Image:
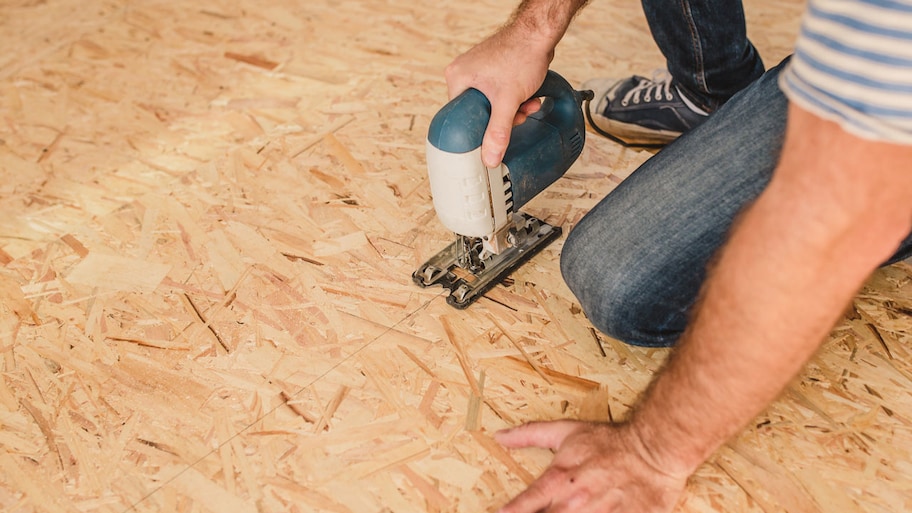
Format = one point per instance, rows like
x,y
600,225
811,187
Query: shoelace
x,y
659,86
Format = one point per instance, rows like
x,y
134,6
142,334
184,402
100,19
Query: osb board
x,y
208,219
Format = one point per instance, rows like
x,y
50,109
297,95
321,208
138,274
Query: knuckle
x,y
557,475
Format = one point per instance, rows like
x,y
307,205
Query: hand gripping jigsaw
x,y
481,205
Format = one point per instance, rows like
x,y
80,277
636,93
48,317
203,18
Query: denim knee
x,y
624,296
638,259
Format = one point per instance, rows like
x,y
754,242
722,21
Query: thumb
x,y
548,435
497,136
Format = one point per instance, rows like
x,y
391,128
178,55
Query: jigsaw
x,y
481,205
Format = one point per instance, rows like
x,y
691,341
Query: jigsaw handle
x,y
460,125
544,147
541,150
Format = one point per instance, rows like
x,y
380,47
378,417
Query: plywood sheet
x,y
209,215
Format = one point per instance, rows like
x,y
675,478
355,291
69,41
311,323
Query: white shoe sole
x,y
626,133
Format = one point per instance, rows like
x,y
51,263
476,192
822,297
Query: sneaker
x,y
638,111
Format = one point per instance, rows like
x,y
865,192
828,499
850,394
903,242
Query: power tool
x,y
480,204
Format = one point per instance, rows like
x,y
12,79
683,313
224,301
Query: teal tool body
x,y
481,205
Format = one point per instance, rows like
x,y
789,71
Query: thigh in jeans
x,y
636,262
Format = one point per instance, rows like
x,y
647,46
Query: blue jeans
x,y
706,47
637,260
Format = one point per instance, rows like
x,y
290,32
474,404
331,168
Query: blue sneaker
x,y
638,111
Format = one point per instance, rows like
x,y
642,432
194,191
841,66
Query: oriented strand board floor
x,y
209,212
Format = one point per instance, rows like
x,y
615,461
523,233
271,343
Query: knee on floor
x,y
621,297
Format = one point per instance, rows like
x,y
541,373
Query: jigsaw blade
x,y
467,273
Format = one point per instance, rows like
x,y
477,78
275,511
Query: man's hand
x,y
596,468
508,72
510,66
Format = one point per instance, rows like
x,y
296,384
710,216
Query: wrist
x,y
533,40
662,451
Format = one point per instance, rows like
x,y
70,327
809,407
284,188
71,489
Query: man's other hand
x,y
596,468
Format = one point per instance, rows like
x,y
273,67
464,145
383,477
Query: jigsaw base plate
x,y
467,275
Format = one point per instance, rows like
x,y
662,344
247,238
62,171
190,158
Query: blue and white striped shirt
x,y
853,64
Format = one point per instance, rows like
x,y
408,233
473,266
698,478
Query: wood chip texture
x,y
209,214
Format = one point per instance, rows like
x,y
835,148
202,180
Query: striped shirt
x,y
853,64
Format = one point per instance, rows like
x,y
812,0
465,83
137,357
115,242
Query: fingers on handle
x,y
525,110
530,107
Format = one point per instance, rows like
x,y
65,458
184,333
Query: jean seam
x,y
696,46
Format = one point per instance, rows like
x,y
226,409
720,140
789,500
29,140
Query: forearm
x,y
546,20
794,260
